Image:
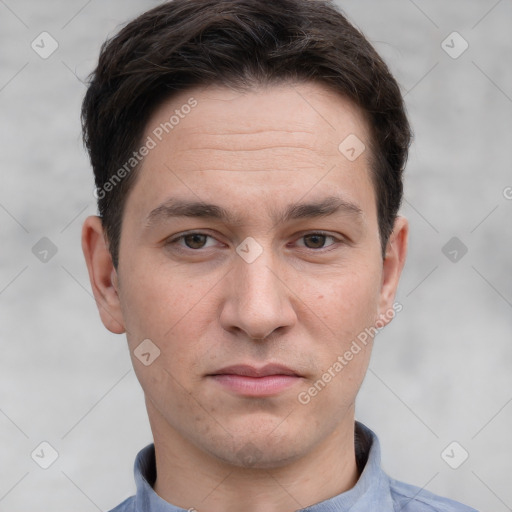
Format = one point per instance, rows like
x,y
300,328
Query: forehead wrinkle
x,y
242,140
247,149
248,143
201,131
256,156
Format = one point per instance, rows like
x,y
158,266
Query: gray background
x,y
441,372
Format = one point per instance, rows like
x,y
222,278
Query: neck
x,y
192,479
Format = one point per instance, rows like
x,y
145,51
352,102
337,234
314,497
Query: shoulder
x,y
409,498
127,505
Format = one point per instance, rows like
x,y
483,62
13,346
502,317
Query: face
x,y
250,240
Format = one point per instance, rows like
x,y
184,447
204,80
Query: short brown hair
x,y
240,44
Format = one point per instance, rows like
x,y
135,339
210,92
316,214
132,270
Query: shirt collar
x,y
372,487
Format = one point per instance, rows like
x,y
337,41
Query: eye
x,y
197,241
317,240
192,241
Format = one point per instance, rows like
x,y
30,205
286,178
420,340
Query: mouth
x,y
252,381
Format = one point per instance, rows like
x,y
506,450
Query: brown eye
x,y
195,240
316,241
191,242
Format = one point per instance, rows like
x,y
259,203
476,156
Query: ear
x,y
393,264
102,274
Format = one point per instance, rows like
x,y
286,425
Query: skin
x,y
301,303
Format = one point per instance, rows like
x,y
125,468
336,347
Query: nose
x,y
259,300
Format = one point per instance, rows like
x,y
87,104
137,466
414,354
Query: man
x,y
248,159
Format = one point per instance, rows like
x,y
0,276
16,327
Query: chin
x,y
260,451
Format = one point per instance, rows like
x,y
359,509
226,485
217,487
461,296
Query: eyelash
x,y
175,241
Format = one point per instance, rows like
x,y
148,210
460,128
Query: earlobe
x,y
393,265
102,274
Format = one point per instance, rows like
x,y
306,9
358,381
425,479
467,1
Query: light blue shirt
x,y
373,492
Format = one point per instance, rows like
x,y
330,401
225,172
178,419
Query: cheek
x,y
341,346
162,302
346,307
347,302
161,308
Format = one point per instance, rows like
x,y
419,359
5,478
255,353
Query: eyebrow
x,y
183,208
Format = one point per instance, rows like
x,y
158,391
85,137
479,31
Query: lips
x,y
251,381
252,371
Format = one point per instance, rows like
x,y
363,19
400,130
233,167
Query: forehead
x,y
307,116
283,140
